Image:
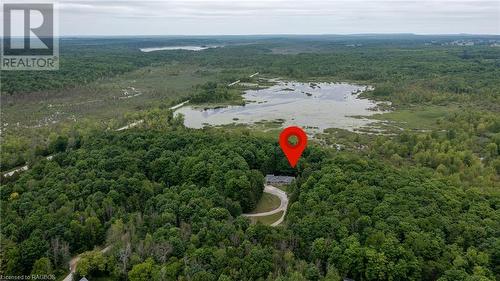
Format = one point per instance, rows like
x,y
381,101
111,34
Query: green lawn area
x,y
283,187
268,202
267,219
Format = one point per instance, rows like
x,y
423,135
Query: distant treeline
x,y
409,68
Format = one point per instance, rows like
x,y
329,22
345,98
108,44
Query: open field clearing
x,y
420,117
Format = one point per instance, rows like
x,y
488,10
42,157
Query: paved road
x,y
283,204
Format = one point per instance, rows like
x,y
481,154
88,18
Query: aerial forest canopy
x,y
169,204
117,180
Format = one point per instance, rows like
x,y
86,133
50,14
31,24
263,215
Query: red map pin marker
x,y
293,151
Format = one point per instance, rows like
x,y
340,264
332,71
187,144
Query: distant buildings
x,y
462,43
465,42
278,180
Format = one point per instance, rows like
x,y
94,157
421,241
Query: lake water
x,y
315,106
188,48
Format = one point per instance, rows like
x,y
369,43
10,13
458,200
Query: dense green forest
x,y
169,203
407,204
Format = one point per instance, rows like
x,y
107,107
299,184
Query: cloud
x,y
314,16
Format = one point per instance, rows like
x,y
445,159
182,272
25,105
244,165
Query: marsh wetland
x,y
316,106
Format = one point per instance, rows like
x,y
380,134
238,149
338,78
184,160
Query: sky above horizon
x,y
217,17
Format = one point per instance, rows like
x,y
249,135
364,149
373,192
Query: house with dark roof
x,y
278,180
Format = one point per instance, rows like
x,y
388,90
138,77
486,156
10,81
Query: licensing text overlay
x,y
29,35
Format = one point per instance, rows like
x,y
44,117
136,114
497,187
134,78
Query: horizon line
x,y
283,34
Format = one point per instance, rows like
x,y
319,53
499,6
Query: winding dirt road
x,y
283,205
131,125
74,261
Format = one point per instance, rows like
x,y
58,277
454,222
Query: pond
x,y
309,105
169,48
